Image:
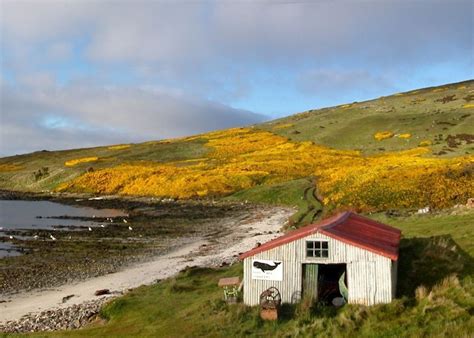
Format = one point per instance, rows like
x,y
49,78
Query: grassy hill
x,y
402,151
437,114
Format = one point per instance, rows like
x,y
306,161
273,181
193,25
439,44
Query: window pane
x,y
325,253
325,245
317,253
309,253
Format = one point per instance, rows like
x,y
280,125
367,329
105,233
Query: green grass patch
x,y
299,193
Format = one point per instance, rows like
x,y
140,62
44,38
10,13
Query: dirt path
x,y
239,236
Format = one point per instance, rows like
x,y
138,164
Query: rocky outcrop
x,y
72,317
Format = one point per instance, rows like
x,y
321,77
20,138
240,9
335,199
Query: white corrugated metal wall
x,y
369,275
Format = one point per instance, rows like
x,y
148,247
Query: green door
x,y
310,280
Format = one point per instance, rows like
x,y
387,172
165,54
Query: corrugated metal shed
x,y
365,249
349,228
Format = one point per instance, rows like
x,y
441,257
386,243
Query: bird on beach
x,y
93,216
102,226
130,228
1,228
125,221
90,229
52,237
111,220
11,237
35,236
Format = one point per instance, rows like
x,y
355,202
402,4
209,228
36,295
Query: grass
x,y
422,113
297,193
435,297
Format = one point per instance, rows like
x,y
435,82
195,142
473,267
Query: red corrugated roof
x,y
346,227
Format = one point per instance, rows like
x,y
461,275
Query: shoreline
x,y
158,227
242,234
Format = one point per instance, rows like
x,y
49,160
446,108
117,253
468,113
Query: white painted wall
x,y
370,277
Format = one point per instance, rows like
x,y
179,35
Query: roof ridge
x,y
341,218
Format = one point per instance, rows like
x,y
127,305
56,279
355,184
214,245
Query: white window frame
x,y
314,249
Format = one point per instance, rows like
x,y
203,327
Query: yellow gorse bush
x,y
9,167
119,147
382,135
425,143
406,135
243,157
71,163
283,126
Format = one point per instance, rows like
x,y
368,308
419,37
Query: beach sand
x,y
241,235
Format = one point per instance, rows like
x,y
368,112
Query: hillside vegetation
x,y
407,150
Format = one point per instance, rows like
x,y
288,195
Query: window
x,y
318,249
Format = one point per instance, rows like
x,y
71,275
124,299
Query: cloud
x,y
188,37
77,116
341,83
134,70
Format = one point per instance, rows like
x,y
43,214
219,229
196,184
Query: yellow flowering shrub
x,y
406,135
9,167
398,180
283,126
76,161
244,157
425,143
119,147
382,135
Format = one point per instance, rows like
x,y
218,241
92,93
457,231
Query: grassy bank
x,y
297,193
435,297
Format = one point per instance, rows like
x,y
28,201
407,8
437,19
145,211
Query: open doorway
x,y
332,281
324,282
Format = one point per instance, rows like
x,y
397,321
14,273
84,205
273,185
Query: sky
x,y
83,73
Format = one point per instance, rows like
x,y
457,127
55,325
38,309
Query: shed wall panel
x,y
370,277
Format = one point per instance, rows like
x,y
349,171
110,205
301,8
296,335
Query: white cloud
x,y
206,49
341,83
75,116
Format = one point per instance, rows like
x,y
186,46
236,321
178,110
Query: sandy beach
x,y
241,234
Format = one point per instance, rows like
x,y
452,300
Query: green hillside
x,y
442,117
